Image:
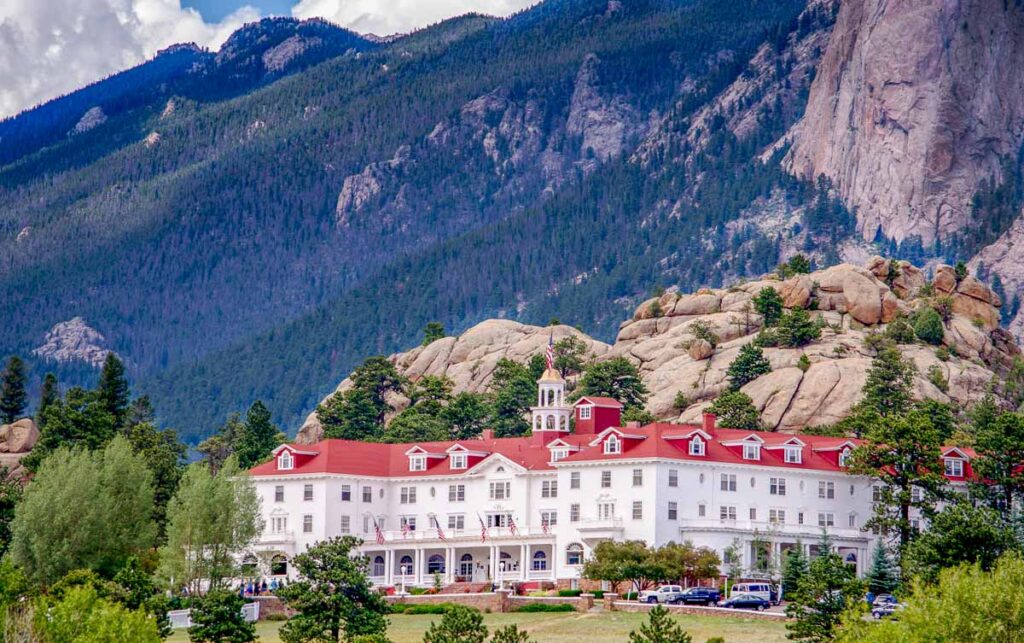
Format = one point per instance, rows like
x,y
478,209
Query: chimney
x,y
709,423
487,434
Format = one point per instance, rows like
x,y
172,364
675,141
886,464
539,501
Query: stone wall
x,y
485,601
582,603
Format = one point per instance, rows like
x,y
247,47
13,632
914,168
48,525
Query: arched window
x,y
405,565
564,424
249,565
435,564
285,461
540,561
844,456
467,558
279,565
612,445
696,446
574,554
551,423
378,566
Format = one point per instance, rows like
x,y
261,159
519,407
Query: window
x,y
456,493
279,524
673,511
727,513
728,482
794,455
574,512
435,564
638,510
279,493
777,516
638,477
540,561
852,490
574,480
456,522
407,523
702,510
606,479
777,486
954,467
826,490
498,520
585,411
876,493
574,554
612,445
558,454
367,494
696,446
915,524
285,461
307,524
549,517
605,510
800,518
549,489
346,493
459,460
500,490
673,477
753,513
915,494
307,492
417,463
346,524
366,524
407,495
826,519
844,456
852,520
751,451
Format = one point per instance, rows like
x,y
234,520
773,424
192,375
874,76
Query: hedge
x,y
546,607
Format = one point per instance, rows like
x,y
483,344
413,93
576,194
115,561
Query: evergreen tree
x,y
794,568
113,391
460,624
432,332
378,378
928,326
217,618
259,436
883,577
412,425
659,628
13,397
816,607
570,355
511,634
960,533
735,410
217,448
513,389
10,496
768,302
617,378
163,452
80,419
49,394
796,328
887,388
349,415
466,415
999,442
750,363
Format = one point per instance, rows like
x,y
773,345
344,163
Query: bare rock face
x,y
19,436
605,125
360,189
91,119
73,340
912,106
700,349
277,58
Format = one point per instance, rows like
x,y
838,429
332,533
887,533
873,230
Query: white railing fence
x,y
183,618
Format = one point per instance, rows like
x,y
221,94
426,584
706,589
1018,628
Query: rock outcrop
x,y
16,441
73,341
913,105
667,338
91,119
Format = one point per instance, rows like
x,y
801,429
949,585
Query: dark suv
x,y
699,596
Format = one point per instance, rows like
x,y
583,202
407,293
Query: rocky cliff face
x,y
852,300
73,341
16,440
913,105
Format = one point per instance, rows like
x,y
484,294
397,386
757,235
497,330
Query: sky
x,y
52,47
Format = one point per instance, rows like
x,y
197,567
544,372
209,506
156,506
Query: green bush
x,y
928,326
430,608
546,607
598,594
569,592
716,639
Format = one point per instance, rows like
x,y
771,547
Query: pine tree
x,y
432,332
217,618
794,568
821,597
259,436
735,410
50,393
887,386
113,389
883,577
768,303
660,628
796,328
13,396
460,624
749,364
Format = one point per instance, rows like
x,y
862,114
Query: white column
x,y
389,567
527,562
494,563
449,565
417,559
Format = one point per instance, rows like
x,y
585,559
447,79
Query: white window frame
x,y
459,461
826,519
777,486
751,451
673,510
673,477
727,512
574,479
794,455
456,493
638,510
285,461
638,477
844,456
346,524
697,446
500,490
586,411
549,489
417,463
954,467
613,445
279,493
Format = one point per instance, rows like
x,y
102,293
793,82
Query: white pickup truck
x,y
664,594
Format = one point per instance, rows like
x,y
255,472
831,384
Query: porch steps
x,y
467,588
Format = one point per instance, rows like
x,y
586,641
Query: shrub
x,y
750,363
680,401
942,353
767,338
804,362
655,309
796,328
768,302
659,628
569,592
928,326
218,617
546,607
598,594
702,330
511,634
429,608
944,306
900,331
938,378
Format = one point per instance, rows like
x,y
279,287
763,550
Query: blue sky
x,y
217,10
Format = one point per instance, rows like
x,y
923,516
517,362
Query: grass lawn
x,y
575,628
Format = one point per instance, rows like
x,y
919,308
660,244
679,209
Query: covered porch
x,y
501,564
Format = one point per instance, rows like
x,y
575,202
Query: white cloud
x,y
385,17
51,47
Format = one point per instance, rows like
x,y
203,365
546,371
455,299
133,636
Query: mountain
x,y
252,223
684,372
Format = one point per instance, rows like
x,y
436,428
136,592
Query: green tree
x,y
333,596
84,510
960,271
459,624
616,378
798,264
511,634
379,378
900,331
999,443
679,561
81,419
217,618
735,410
630,560
928,326
513,389
210,520
259,436
960,533
796,328
10,496
112,390
349,415
13,397
823,594
220,446
768,303
466,415
15,597
164,454
432,332
884,576
887,387
49,394
659,628
570,355
82,615
794,568
413,425
750,363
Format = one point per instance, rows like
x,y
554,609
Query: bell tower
x,y
550,418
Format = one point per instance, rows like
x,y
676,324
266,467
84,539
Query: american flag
x,y
549,355
544,523
405,527
440,532
483,529
380,534
512,525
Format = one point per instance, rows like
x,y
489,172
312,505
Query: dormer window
x,y
954,467
285,461
794,455
558,454
697,446
612,445
417,463
751,451
585,411
459,460
844,456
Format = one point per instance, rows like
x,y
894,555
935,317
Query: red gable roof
x,y
610,402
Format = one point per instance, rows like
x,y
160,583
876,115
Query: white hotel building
x,y
498,510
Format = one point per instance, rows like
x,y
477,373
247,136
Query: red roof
x,y
601,401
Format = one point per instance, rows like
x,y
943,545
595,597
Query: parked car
x,y
664,594
699,596
762,590
885,605
746,601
